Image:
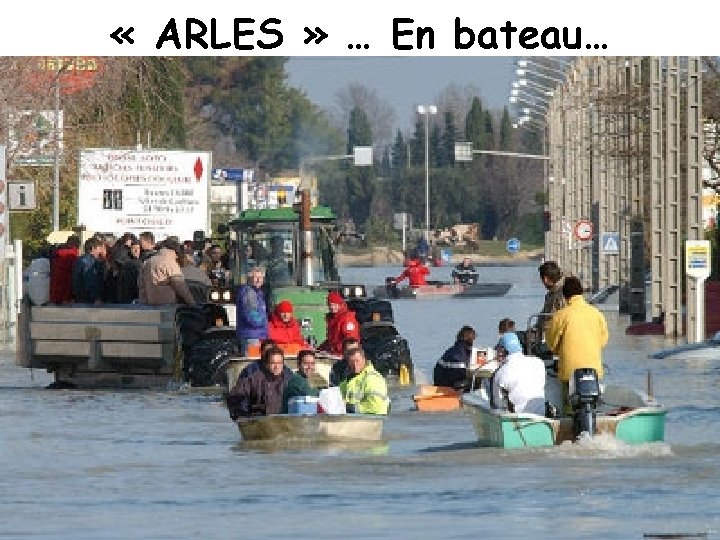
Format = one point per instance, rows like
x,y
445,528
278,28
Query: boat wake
x,y
606,446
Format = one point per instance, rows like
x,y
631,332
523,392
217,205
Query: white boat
x,y
312,427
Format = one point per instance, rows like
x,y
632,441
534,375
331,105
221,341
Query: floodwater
x,y
170,464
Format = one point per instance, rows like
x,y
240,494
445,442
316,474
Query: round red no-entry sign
x,y
583,229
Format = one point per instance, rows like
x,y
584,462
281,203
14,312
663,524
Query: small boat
x,y
437,398
705,349
631,416
312,427
438,289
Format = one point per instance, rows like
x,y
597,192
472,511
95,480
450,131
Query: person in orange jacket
x,y
341,324
415,273
283,328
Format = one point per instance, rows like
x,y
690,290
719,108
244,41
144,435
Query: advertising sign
x,y
162,191
31,137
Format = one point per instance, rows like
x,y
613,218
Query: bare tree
x,y
379,112
457,99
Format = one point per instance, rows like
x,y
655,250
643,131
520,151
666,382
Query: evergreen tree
x,y
399,153
475,125
384,167
448,140
489,131
505,130
359,180
417,143
435,150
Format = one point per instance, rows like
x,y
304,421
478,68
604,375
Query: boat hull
x,y
313,428
634,423
440,290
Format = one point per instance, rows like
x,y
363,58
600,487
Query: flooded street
x,y
170,464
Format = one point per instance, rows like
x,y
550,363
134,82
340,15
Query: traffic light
x,y
546,221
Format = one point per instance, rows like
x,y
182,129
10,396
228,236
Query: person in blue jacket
x,y
251,315
451,369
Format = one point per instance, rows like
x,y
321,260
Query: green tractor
x,y
296,247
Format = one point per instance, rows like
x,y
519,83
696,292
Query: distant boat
x,y
439,289
312,427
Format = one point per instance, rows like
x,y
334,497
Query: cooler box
x,y
303,405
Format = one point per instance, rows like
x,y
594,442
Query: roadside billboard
x,y
162,191
31,137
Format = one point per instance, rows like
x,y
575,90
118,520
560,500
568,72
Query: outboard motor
x,y
467,277
391,287
584,396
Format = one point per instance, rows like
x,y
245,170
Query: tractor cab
x,y
272,240
299,261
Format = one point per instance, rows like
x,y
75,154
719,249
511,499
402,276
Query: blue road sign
x,y
513,245
610,242
230,175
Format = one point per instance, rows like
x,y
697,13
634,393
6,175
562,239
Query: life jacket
x,y
340,326
284,333
367,392
415,273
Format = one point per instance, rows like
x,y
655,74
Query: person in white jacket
x,y
520,379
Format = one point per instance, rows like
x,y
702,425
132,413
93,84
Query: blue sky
x,y
403,82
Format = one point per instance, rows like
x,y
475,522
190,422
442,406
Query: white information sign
x,y
21,195
162,191
697,258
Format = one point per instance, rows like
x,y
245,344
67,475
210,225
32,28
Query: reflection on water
x,y
328,448
172,465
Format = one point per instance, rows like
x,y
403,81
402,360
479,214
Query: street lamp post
x,y
427,110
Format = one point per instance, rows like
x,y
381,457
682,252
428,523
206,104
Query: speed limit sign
x,y
583,230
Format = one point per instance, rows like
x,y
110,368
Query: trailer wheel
x,y
207,359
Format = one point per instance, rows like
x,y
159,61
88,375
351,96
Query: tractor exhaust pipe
x,y
306,239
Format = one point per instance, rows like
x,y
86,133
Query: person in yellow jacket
x,y
577,333
365,391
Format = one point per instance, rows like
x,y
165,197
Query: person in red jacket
x,y
415,273
283,328
61,266
341,324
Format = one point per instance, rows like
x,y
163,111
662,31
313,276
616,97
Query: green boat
x,y
631,416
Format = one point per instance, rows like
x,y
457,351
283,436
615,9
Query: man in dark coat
x,y
261,392
451,369
88,275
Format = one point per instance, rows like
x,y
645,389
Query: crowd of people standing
x,y
124,270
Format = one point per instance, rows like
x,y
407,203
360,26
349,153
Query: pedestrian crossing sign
x,y
610,242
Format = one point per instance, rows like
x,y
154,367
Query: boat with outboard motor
x,y
631,416
440,289
314,428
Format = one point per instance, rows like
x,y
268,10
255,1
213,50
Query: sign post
x,y
697,267
513,246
